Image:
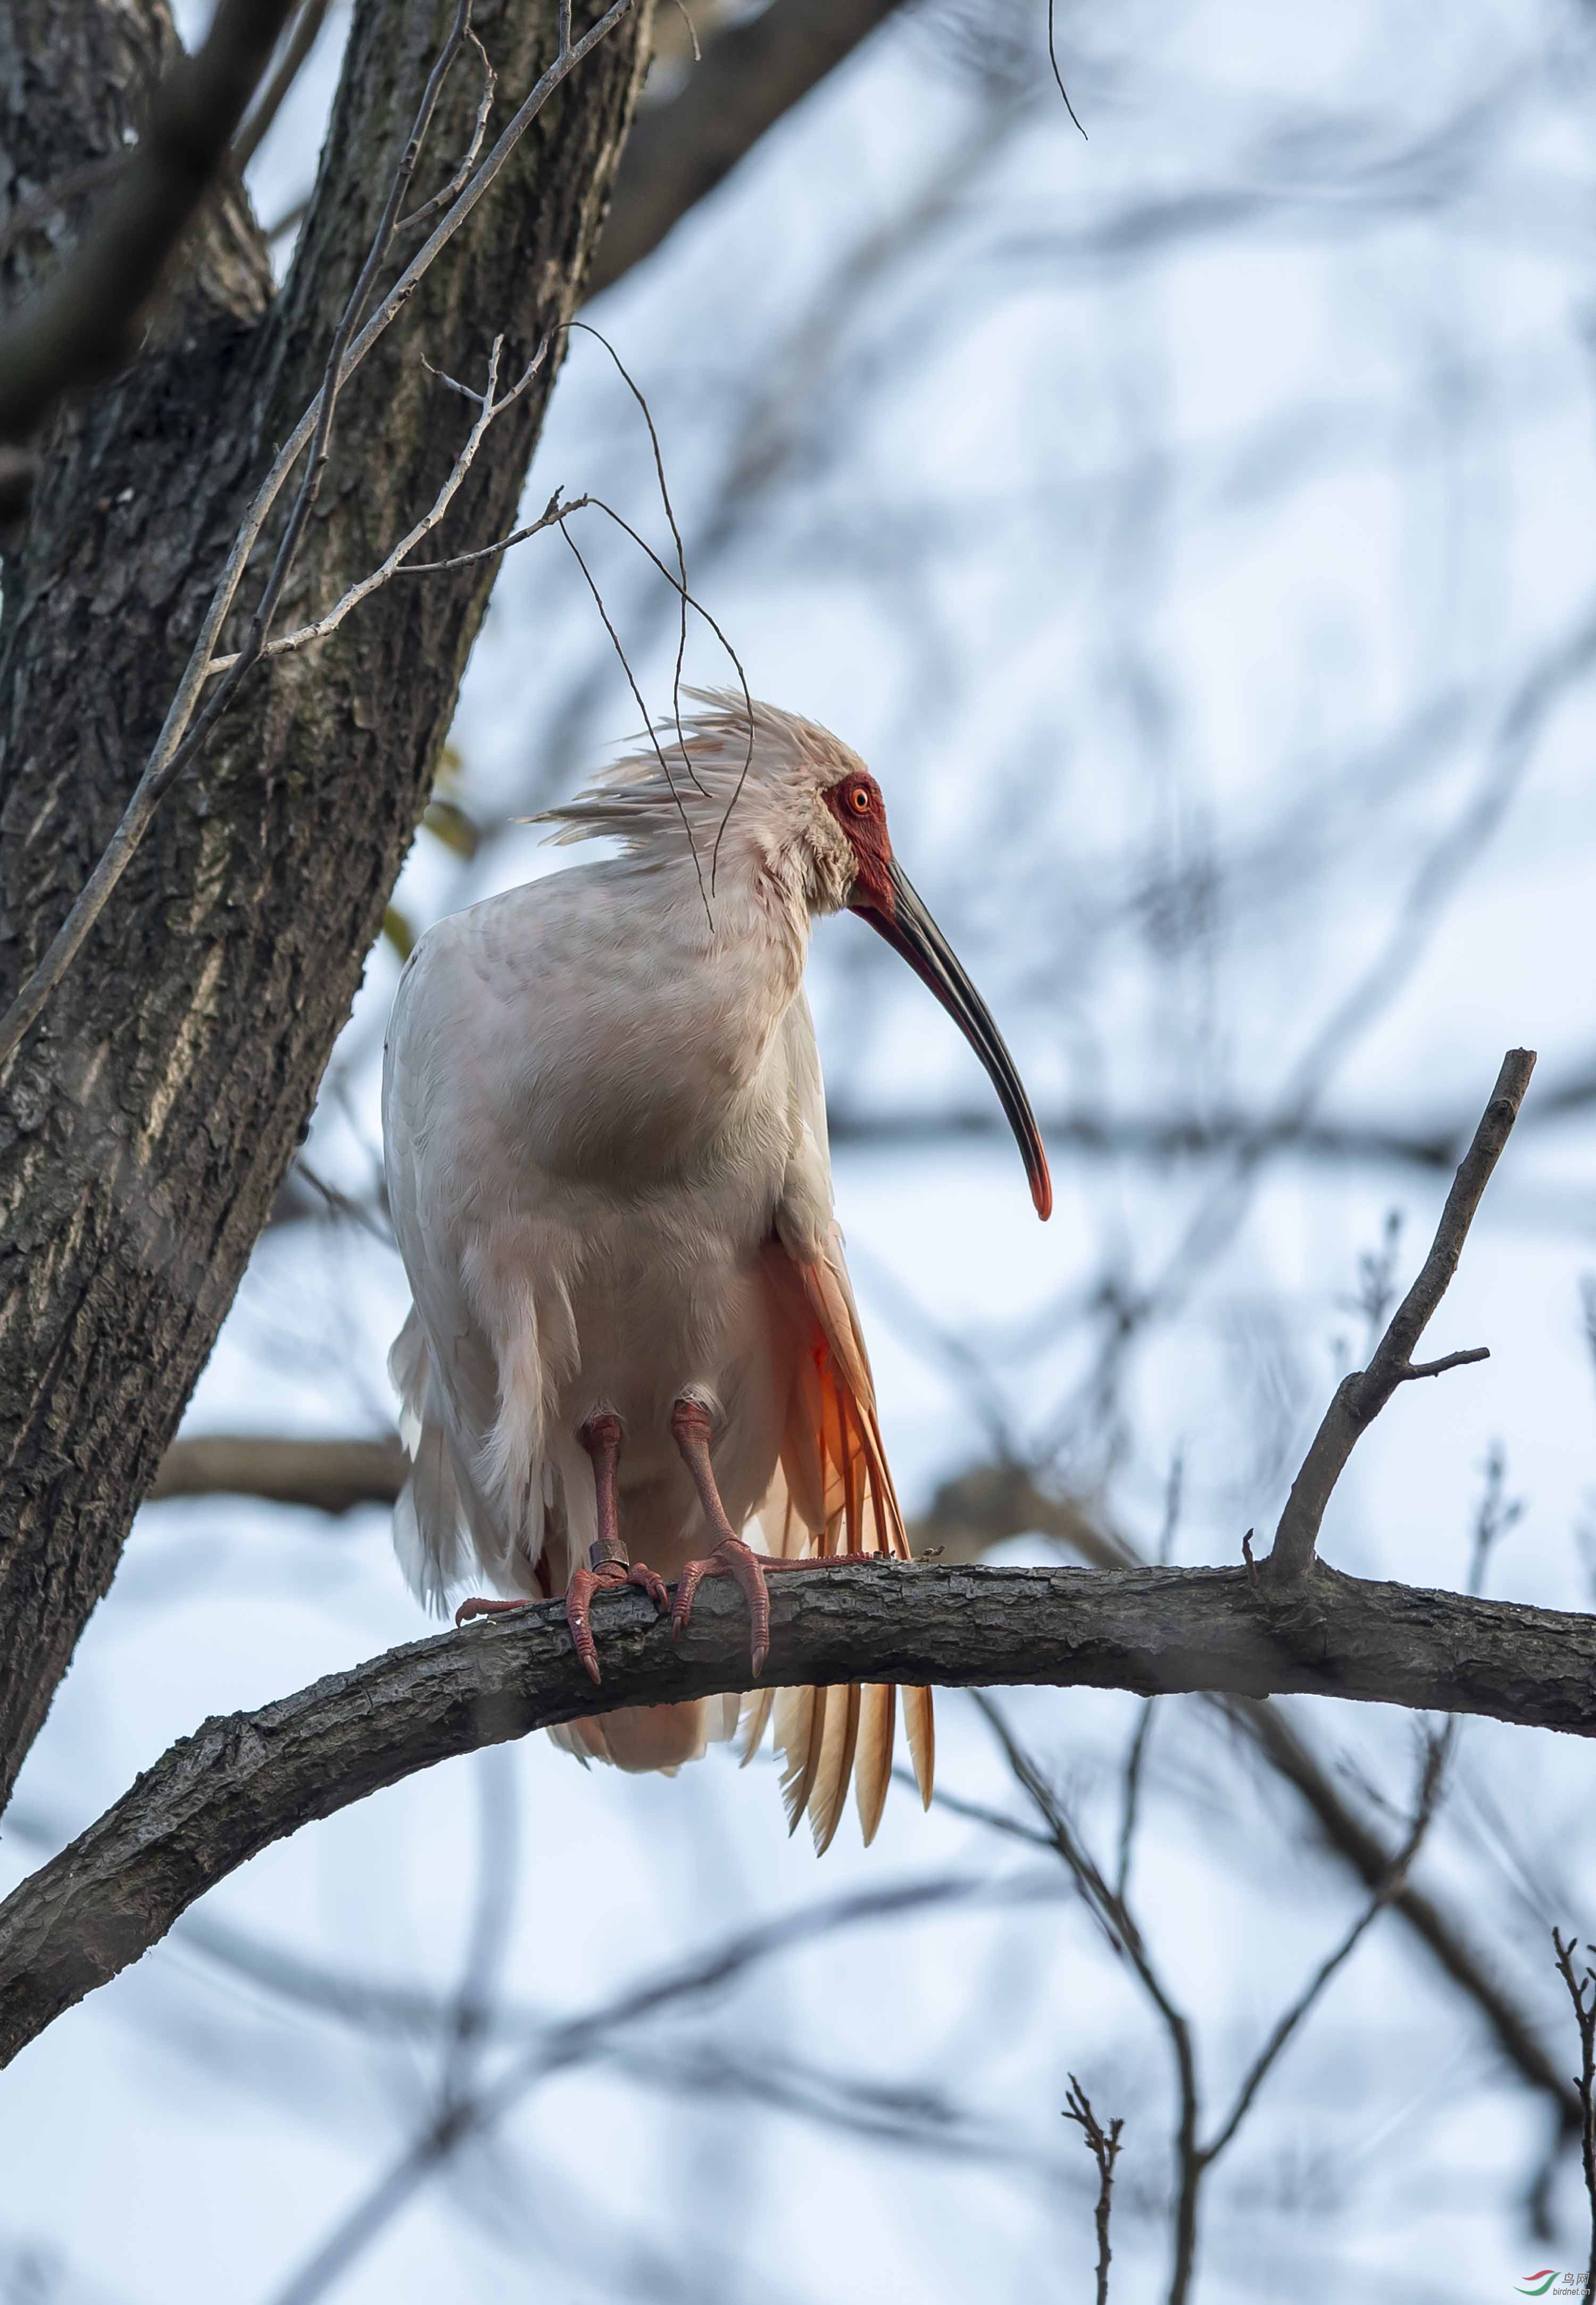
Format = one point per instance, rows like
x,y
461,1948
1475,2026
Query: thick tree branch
x,y
219,1797
966,1520
331,1476
1360,1398
751,74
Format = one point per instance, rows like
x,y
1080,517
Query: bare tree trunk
x,y
147,1121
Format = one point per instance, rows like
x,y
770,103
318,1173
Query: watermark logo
x,y
1548,2283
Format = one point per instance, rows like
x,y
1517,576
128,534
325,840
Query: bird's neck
x,y
737,919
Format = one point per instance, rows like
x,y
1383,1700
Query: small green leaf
x,y
447,821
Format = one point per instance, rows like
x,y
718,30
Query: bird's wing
x,y
441,1364
834,1492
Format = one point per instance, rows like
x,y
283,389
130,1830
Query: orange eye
x,y
860,800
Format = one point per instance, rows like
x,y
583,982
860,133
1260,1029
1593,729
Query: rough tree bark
x,y
147,1121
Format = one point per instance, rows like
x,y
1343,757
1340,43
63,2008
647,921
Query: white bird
x,y
609,1178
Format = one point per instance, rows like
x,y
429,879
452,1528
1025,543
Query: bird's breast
x,y
667,1076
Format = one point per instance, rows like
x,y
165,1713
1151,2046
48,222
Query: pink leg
x,y
600,1436
690,1429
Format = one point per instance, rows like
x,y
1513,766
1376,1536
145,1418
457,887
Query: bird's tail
x,y
641,1738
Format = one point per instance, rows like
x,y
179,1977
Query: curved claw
x,y
579,1596
652,1583
476,1607
730,1558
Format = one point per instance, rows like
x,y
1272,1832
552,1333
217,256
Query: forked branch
x,y
1582,1993
1360,1398
1103,2144
489,407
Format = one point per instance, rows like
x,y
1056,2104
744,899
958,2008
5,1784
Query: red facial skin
x,y
857,807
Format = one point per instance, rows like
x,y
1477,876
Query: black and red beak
x,y
897,913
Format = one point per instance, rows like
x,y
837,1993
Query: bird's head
x,y
880,892
780,798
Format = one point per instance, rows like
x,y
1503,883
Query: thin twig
x,y
1496,1515
682,10
626,377
1582,1993
977,1812
1053,60
290,220
686,599
456,183
1119,1925
665,766
1131,1800
1360,1398
1104,2149
1463,1359
488,410
1408,1324
1437,1753
557,509
696,605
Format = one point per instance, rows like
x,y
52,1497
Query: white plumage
x,y
609,1181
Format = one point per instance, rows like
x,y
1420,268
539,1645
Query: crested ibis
x,y
633,1346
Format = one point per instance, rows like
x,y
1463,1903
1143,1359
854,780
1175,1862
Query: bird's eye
x,y
860,800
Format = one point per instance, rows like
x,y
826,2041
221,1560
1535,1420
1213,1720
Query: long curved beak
x,y
910,930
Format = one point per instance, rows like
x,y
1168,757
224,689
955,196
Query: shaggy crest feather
x,y
742,777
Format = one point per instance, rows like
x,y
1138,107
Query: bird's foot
x,y
610,1570
476,1607
730,1558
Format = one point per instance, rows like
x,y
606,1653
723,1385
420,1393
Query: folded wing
x,y
833,1493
